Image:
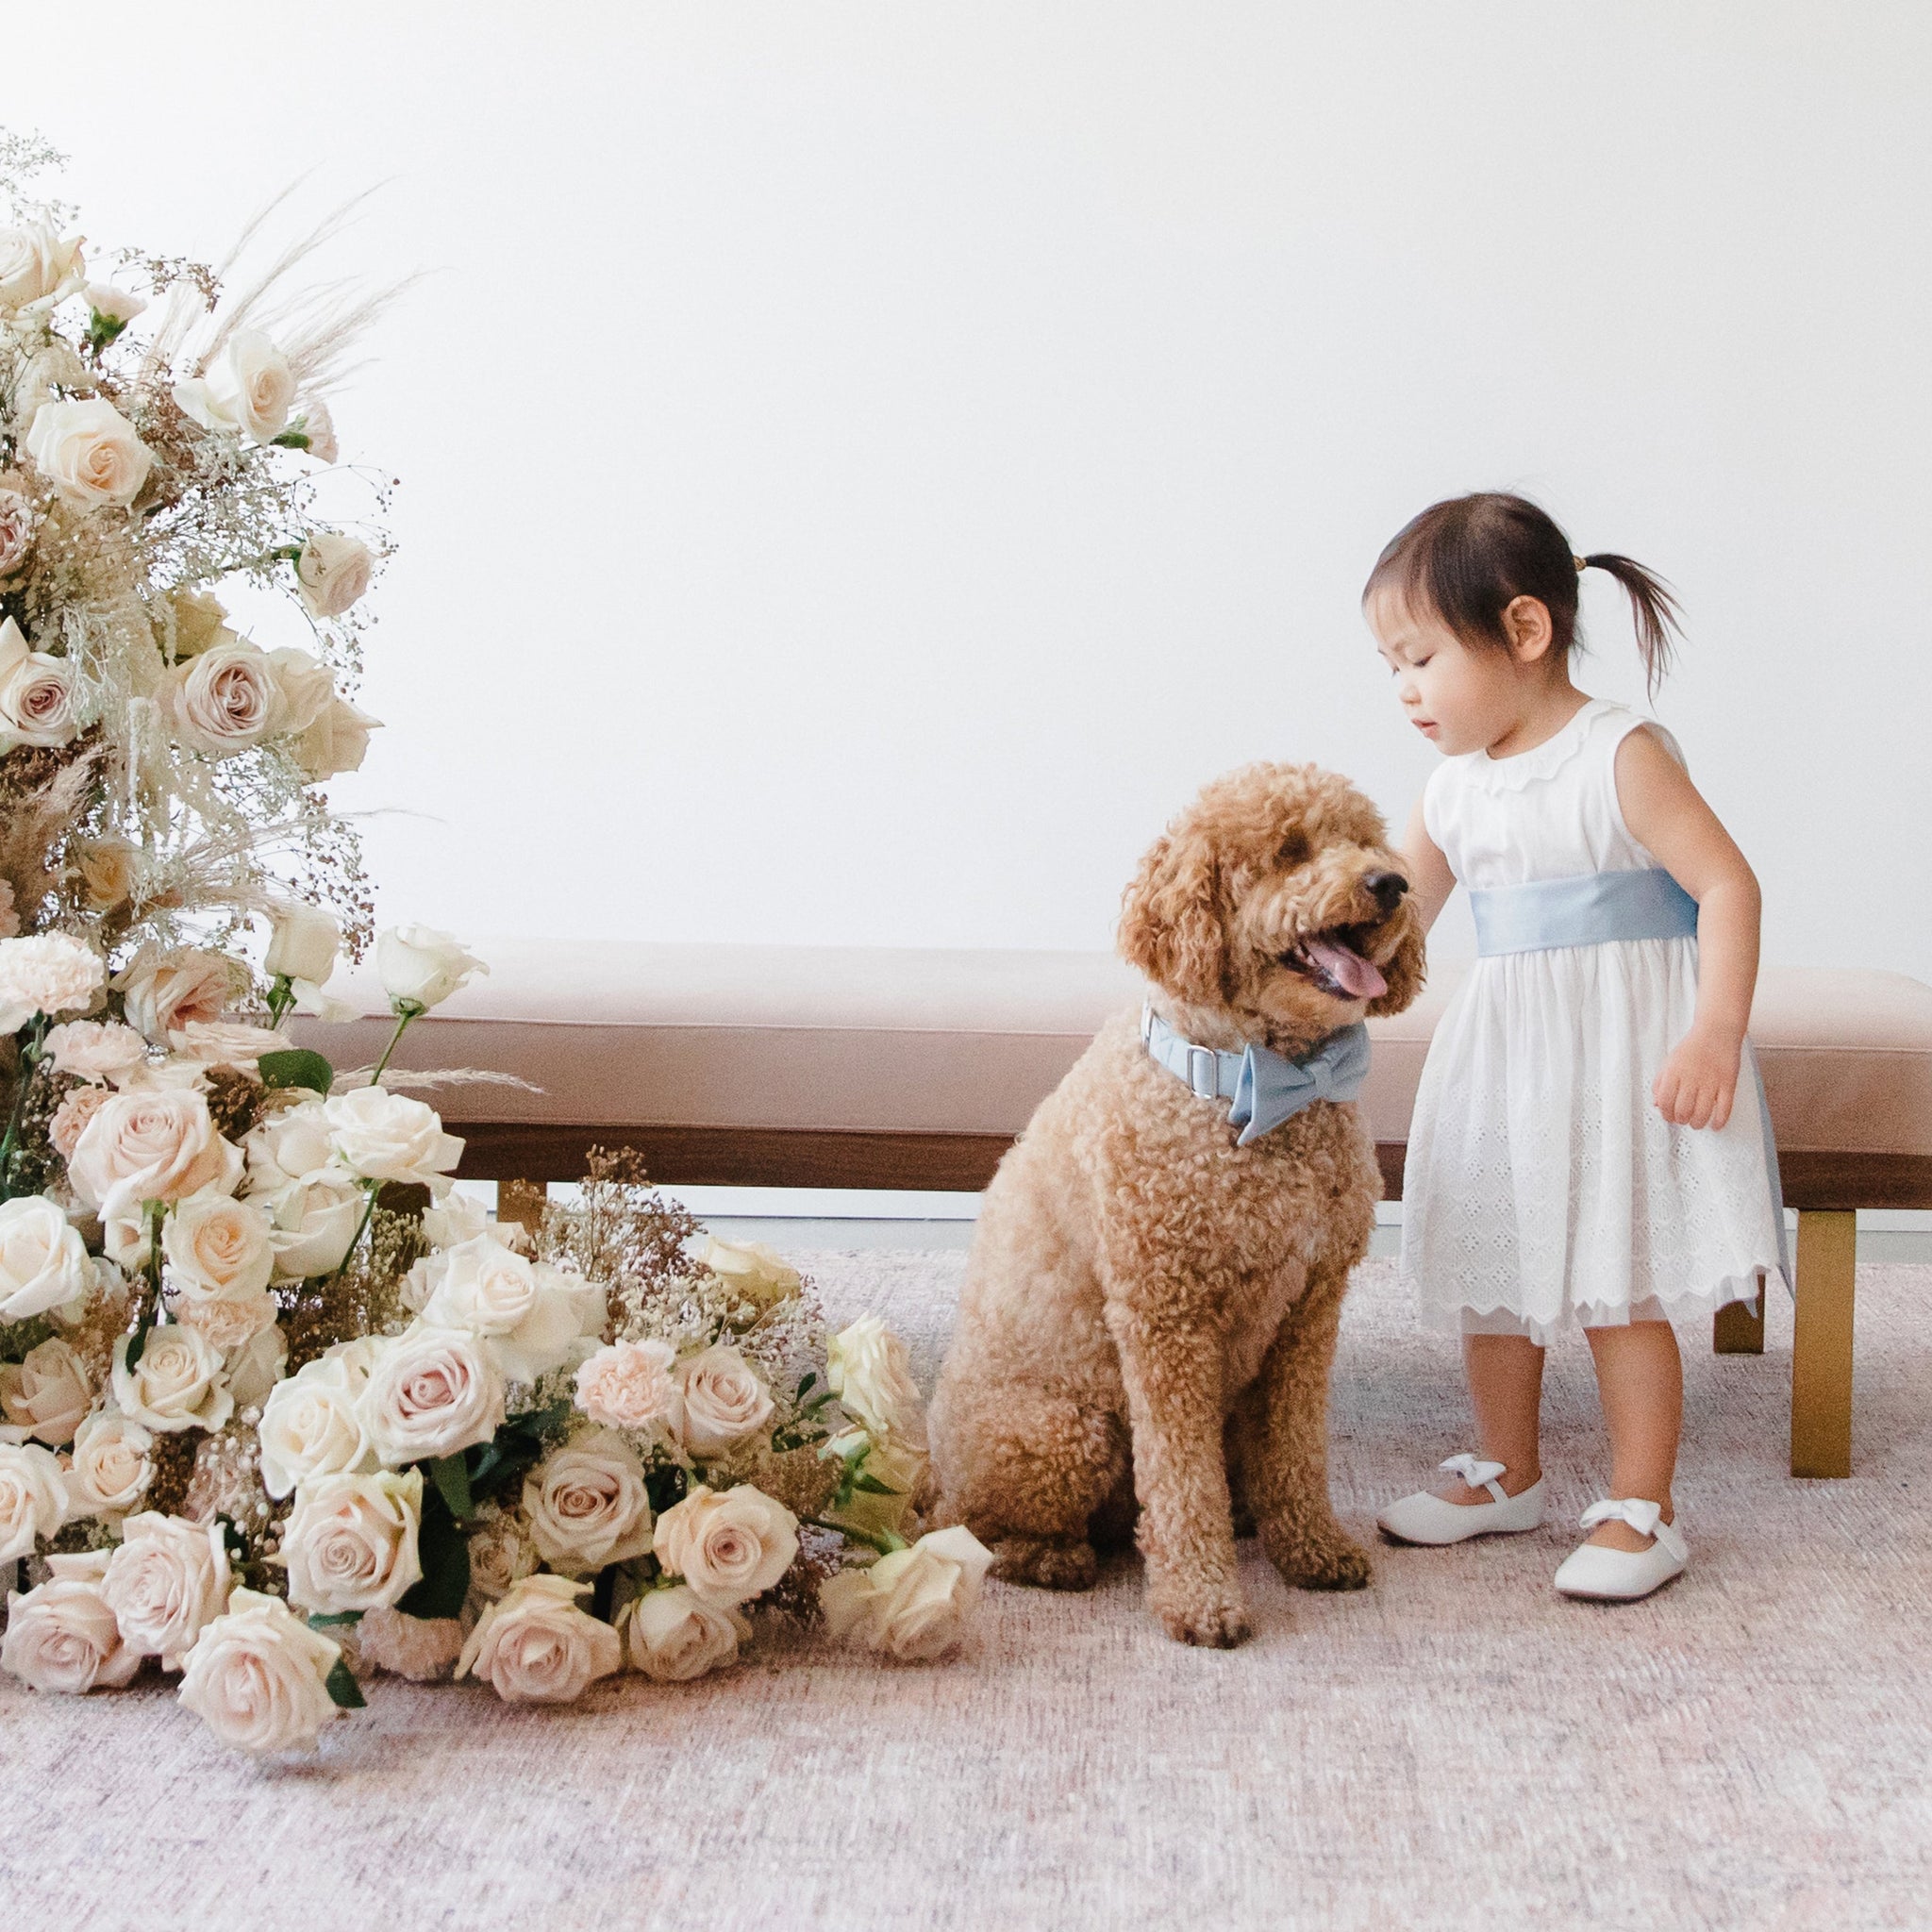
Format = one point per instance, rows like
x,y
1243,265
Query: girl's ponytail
x,y
1652,607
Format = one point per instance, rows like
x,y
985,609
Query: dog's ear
x,y
1171,919
1406,969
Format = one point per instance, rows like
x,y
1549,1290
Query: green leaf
x,y
452,1480
299,1066
138,1341
805,1382
342,1685
873,1487
443,1551
328,1619
540,1423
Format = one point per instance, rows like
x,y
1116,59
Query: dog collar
x,y
1262,1088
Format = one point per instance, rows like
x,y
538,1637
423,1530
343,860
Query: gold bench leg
x,y
1821,1345
522,1200
1735,1330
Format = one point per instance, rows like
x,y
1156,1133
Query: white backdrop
x,y
863,466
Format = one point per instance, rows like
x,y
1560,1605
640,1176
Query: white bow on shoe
x,y
1432,1520
1476,1473
1624,1576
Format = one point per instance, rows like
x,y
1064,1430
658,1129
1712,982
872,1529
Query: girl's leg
x,y
1639,1377
1506,1390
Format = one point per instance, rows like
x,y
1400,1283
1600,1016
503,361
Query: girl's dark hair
x,y
1469,559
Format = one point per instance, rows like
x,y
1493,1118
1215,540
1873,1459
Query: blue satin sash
x,y
1262,1087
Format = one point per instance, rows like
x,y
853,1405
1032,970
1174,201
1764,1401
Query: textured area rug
x,y
1455,1747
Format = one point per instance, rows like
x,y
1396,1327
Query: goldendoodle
x,y
1150,1306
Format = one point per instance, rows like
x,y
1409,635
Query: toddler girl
x,y
1590,1142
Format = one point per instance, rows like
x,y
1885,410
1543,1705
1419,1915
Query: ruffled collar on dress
x,y
1539,761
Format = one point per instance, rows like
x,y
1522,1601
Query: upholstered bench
x,y
823,1067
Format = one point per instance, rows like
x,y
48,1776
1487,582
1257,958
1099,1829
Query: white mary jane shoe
x,y
1429,1520
1624,1576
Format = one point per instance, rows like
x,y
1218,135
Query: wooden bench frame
x,y
1828,1189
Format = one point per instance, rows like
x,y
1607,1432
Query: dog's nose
x,y
1386,889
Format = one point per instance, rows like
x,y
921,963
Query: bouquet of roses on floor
x,y
279,1405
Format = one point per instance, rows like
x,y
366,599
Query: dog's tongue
x,y
1347,968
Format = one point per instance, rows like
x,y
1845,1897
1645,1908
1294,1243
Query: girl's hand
x,y
1699,1081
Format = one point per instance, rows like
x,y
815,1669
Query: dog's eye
x,y
1293,852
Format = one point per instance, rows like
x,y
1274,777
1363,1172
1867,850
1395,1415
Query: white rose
x,y
48,972
530,1315
729,1546
629,1386
36,693
333,572
193,621
250,389
501,1554
310,1428
460,1217
89,451
33,1497
336,741
759,1272
259,1676
319,427
150,1144
253,1367
315,1224
303,942
389,1137
870,1375
223,701
62,1636
535,1646
350,1542
47,1392
913,1603
113,305
107,868
113,1465
217,1248
165,1581
673,1636
225,1043
420,967
587,1505
36,263
163,990
724,1403
176,1385
305,688
97,1050
43,1261
294,1144
431,1392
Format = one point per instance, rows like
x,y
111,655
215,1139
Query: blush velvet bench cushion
x,y
823,1067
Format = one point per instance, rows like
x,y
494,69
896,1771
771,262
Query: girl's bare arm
x,y
1430,881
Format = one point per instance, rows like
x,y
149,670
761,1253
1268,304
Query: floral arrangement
x,y
282,1407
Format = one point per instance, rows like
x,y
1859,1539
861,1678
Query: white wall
x,y
864,465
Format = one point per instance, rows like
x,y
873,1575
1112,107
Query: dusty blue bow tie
x,y
1262,1087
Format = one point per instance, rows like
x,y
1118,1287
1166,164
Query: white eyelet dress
x,y
1544,1187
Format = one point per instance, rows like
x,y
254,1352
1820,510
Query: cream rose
x,y
528,1314
176,1385
163,990
759,1272
729,1546
259,1676
113,1465
196,620
350,1542
62,1636
36,262
501,1554
223,701
43,1261
47,1392
587,1505
431,1392
315,1224
724,1403
309,1427
673,1636
870,1375
296,1144
460,1217
535,1646
319,427
36,693
150,1144
305,688
629,1386
217,1248
96,1050
251,388
107,868
389,1137
303,942
336,741
913,1604
165,1581
419,967
225,1043
254,1368
333,572
118,305
16,531
33,1497
89,451
48,972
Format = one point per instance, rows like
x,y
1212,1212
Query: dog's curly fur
x,y
1150,1311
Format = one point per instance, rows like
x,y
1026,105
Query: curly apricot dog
x,y
1150,1310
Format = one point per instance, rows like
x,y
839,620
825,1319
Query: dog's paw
x,y
1214,1622
1046,1565
1324,1559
